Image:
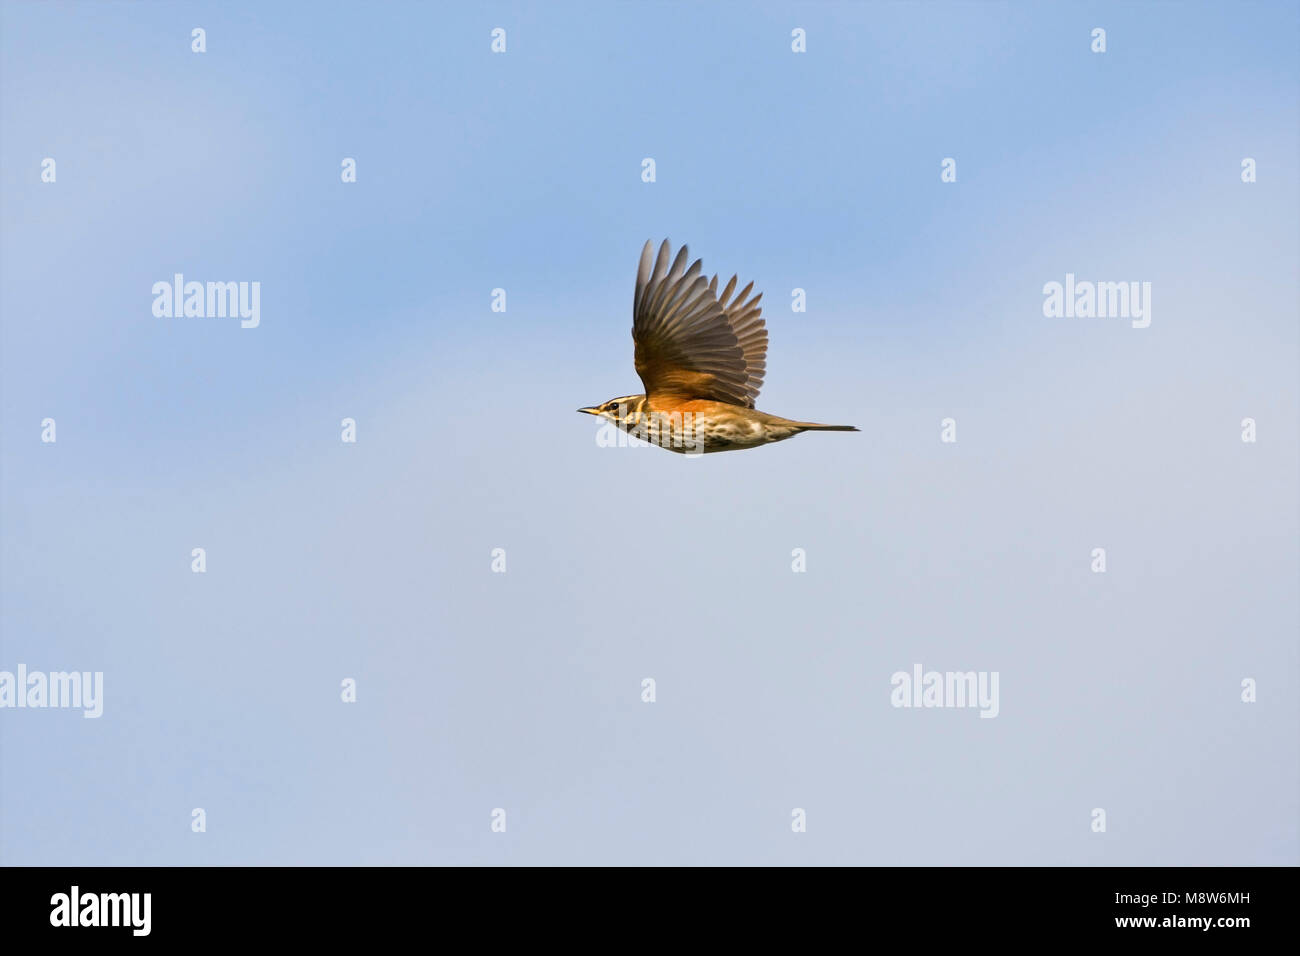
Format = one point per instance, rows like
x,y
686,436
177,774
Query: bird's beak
x,y
589,411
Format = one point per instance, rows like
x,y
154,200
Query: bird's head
x,y
616,409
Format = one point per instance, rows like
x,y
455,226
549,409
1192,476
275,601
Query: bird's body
x,y
700,426
701,358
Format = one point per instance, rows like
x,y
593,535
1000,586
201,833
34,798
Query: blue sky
x,y
521,690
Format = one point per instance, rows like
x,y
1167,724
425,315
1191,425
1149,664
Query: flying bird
x,y
701,357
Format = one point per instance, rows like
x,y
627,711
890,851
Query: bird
x,y
701,357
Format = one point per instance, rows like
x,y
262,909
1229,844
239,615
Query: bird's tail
x,y
814,427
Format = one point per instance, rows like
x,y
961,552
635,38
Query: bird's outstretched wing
x,y
689,342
